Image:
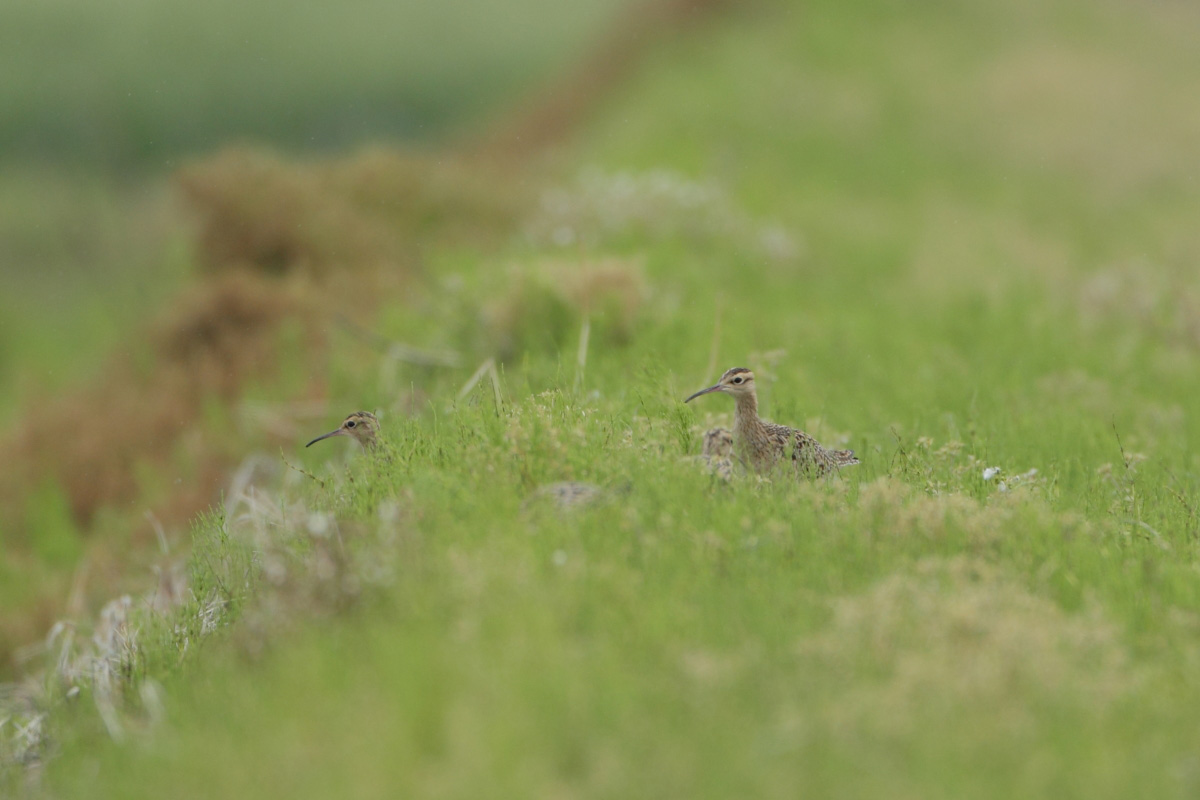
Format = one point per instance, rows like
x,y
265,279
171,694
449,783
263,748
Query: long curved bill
x,y
338,432
716,388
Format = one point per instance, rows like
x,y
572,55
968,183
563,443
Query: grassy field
x,y
958,239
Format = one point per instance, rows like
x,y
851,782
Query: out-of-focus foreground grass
x,y
957,238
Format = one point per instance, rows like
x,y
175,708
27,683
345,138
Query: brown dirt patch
x,y
91,441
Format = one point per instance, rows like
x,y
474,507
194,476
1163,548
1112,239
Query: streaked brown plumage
x,y
718,443
717,452
361,426
567,495
763,445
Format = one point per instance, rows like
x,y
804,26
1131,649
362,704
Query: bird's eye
x,y
351,424
737,380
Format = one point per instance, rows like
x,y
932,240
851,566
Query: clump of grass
x,y
256,211
103,664
225,332
301,562
546,302
266,560
323,218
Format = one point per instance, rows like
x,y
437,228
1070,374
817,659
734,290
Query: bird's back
x,y
764,445
809,455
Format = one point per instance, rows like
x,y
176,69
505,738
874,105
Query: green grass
x,y
961,187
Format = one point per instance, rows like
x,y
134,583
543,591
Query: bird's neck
x,y
746,415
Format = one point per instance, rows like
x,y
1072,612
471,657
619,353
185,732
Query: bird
x,y
718,443
361,426
567,495
716,452
762,445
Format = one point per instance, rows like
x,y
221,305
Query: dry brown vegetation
x,y
278,242
543,304
282,247
255,210
370,210
91,441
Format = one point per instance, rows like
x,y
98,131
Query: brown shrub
x,y
254,210
224,332
424,197
368,211
91,442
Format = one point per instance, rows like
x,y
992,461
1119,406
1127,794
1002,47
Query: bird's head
x,y
361,426
738,381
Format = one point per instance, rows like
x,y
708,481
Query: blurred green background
x,y
102,102
958,237
135,85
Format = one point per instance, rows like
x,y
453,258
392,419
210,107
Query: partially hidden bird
x,y
764,445
567,495
716,452
361,426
